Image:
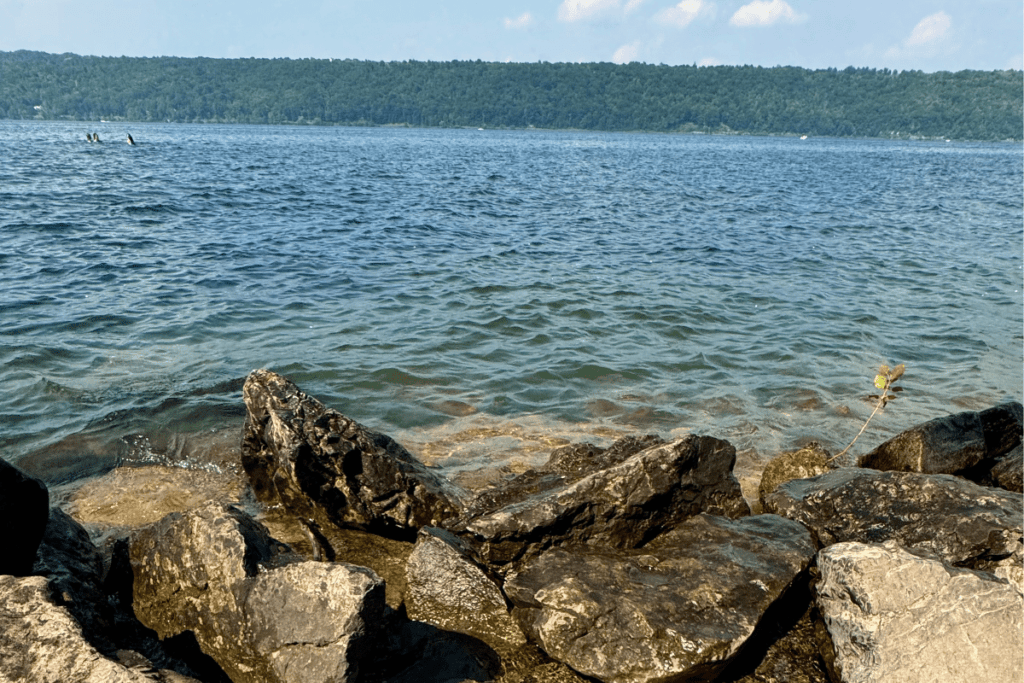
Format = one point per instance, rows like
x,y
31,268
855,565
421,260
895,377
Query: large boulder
x,y
446,588
263,614
642,492
322,465
40,642
25,505
968,444
961,522
680,608
896,616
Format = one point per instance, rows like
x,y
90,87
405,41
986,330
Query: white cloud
x,y
627,53
633,5
929,30
931,35
765,13
522,21
682,14
578,10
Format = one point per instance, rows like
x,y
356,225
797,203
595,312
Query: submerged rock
x,y
957,520
263,614
24,507
640,495
680,608
319,463
896,616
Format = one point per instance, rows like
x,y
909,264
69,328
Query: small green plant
x,y
883,382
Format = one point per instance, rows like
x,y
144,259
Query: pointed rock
x,y
315,461
640,495
25,508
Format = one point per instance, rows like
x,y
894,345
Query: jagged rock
x,y
959,521
256,608
968,444
680,608
24,507
809,461
40,642
1008,473
621,506
318,462
792,655
895,616
446,588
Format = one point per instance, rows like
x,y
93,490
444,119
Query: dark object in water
x,y
96,137
130,141
88,137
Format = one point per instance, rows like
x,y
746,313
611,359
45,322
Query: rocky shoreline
x,y
340,557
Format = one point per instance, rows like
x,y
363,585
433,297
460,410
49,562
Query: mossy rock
x,y
809,461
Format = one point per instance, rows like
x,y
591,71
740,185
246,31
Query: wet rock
x,y
24,507
448,589
809,461
957,520
967,444
896,616
680,608
256,608
622,506
40,642
317,462
1008,473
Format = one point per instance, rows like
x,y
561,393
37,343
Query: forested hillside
x,y
968,105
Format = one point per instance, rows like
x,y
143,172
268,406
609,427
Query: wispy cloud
x,y
685,12
765,13
627,53
933,28
931,34
580,10
522,21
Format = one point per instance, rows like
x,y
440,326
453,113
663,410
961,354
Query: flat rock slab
x,y
957,520
314,460
895,616
678,609
621,506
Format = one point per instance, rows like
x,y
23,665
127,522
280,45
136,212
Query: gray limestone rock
x,y
623,505
317,462
957,520
24,508
446,588
263,614
40,642
896,616
680,608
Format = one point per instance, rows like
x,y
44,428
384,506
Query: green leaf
x,y
880,381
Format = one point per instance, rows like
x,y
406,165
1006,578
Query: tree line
x,y
858,102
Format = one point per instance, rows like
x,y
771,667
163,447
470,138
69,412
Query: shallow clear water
x,y
480,295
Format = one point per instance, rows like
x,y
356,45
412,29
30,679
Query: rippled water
x,y
481,295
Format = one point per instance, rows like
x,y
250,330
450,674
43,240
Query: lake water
x,y
484,295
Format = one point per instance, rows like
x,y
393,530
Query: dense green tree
x,y
984,105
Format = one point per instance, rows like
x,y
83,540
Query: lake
x,y
483,296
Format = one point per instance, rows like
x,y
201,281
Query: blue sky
x,y
931,35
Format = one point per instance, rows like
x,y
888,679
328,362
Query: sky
x,y
929,35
